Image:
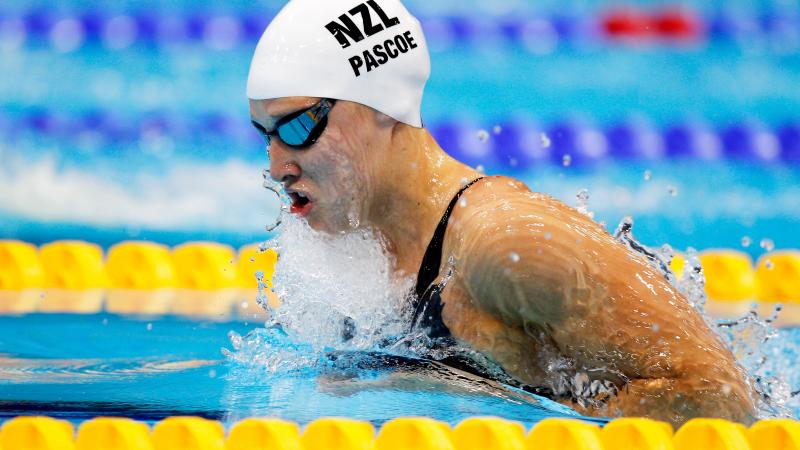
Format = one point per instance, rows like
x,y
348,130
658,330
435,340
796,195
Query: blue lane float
x,y
513,144
537,32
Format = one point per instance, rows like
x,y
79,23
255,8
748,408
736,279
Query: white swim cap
x,y
371,52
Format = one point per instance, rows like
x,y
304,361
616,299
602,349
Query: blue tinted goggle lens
x,y
303,128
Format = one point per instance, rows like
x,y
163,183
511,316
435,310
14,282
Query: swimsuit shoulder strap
x,y
431,262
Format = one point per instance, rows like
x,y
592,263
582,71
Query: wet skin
x,y
538,287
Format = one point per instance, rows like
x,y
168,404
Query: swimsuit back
x,y
428,309
428,306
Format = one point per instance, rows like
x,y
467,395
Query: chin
x,y
318,224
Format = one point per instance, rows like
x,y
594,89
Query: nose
x,y
282,167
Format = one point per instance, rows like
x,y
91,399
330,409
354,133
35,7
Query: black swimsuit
x,y
428,302
428,308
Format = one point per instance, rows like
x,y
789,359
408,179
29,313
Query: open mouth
x,y
301,205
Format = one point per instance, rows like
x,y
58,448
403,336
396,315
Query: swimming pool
x,y
699,143
79,366
82,366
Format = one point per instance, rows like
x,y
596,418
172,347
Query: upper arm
x,y
523,256
529,260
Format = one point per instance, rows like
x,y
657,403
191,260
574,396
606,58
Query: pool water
x,y
76,367
89,154
81,366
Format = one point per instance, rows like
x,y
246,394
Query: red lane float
x,y
668,24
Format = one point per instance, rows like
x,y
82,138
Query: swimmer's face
x,y
331,182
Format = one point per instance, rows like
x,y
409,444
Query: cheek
x,y
337,161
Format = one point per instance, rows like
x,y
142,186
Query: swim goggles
x,y
301,129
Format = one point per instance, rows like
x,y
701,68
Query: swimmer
x,y
335,88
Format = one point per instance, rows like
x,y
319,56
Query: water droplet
x,y
480,168
483,135
245,304
462,203
514,257
566,160
672,190
583,202
648,175
252,259
767,244
149,327
769,265
464,181
548,235
212,373
545,140
105,321
497,129
746,241
726,389
655,327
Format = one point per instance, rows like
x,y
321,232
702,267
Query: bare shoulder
x,y
504,209
515,248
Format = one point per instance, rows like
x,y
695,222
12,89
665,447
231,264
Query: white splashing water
x,y
751,337
337,292
583,203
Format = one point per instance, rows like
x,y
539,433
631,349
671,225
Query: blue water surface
x,y
81,366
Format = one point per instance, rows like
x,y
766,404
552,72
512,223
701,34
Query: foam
x,y
324,279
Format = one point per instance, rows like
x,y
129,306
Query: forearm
x,y
676,401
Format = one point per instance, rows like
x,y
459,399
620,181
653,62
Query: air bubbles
x,y
327,280
746,241
672,191
497,129
546,142
514,257
583,202
767,244
566,160
648,175
483,135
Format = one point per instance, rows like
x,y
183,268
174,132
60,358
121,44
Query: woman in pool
x,y
544,291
